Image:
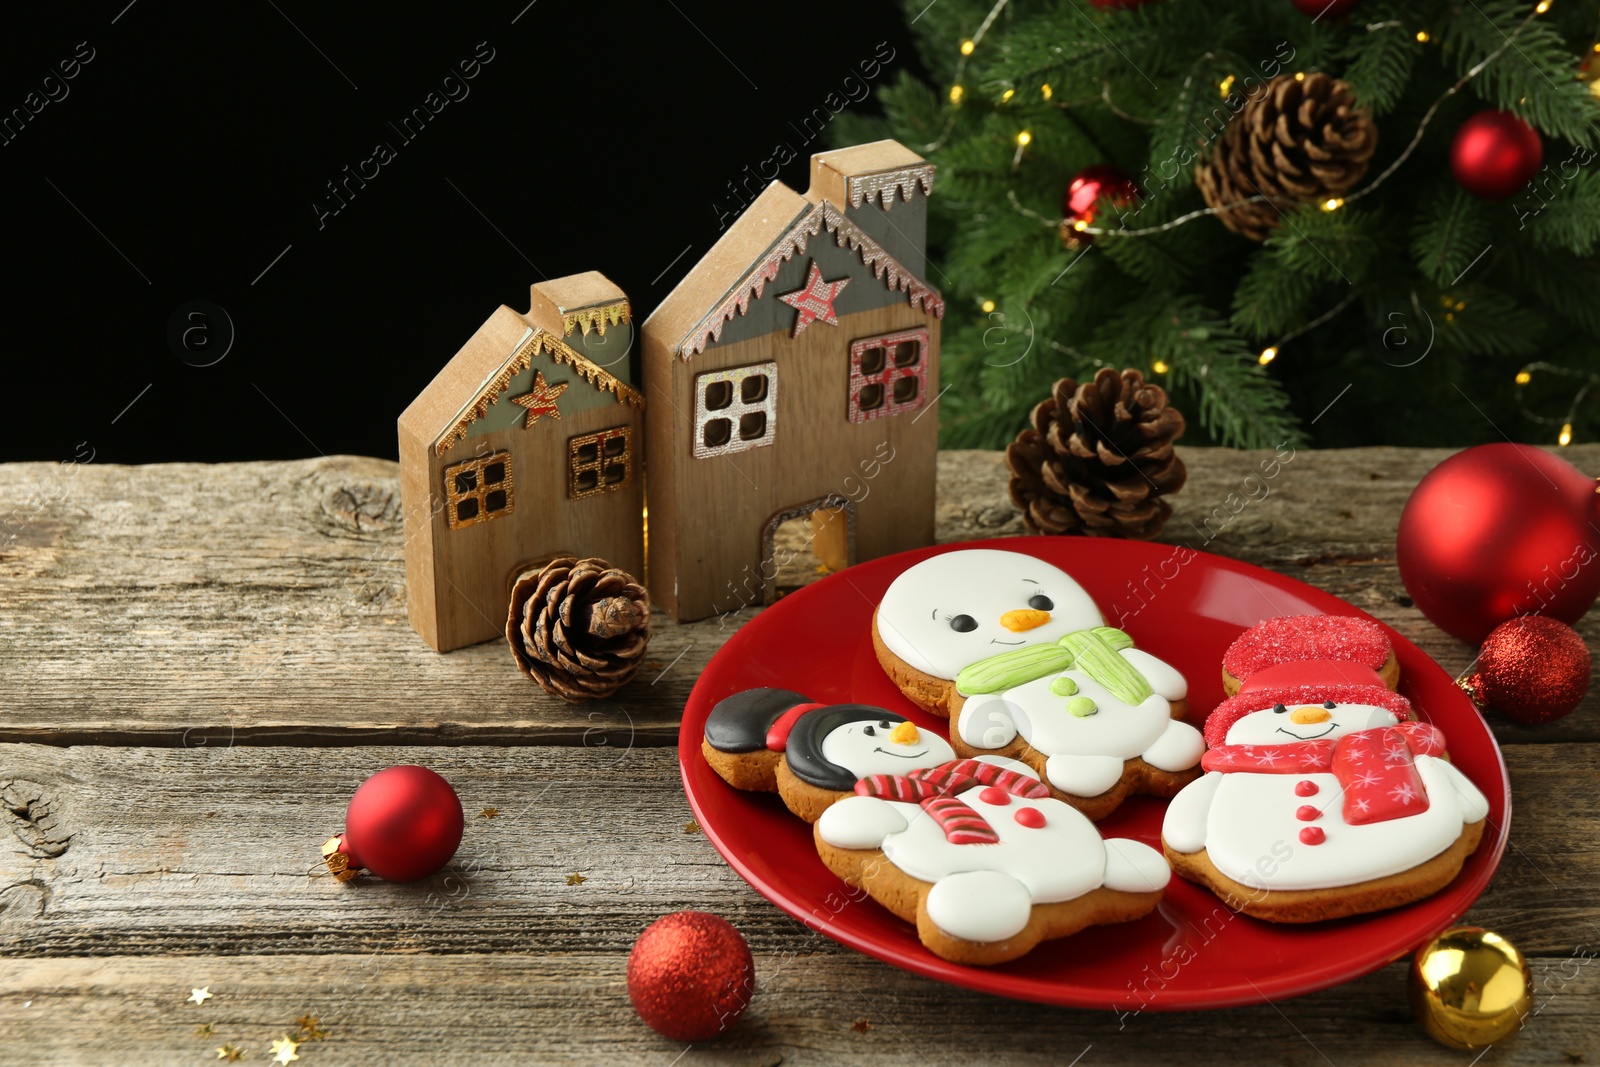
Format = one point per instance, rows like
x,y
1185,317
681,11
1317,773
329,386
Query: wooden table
x,y
201,662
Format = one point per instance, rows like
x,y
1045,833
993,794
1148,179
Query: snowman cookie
x,y
811,755
954,609
1279,645
1322,800
1098,718
984,861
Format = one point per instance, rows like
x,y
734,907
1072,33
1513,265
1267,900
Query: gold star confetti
x,y
204,1029
576,879
691,827
283,1049
861,1026
489,813
653,665
231,1053
200,996
309,1028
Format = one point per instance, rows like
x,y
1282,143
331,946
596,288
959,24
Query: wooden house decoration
x,y
794,372
527,445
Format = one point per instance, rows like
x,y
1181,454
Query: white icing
x,y
1009,764
862,754
1116,729
1268,727
1252,834
1135,867
985,583
980,905
862,822
1083,776
1184,827
1178,748
1162,676
986,722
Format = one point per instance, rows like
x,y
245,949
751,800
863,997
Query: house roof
x,y
774,229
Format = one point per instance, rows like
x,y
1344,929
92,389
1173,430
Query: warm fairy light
x,y
1268,354
1160,366
1024,139
1523,377
956,93
1081,225
1566,428
1047,92
1543,6
1005,97
1449,316
1333,203
988,306
1226,87
1422,37
1299,75
1461,305
967,46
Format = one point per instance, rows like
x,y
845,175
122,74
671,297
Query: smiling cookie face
x,y
1282,724
886,746
960,607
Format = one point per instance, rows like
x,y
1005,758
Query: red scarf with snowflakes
x,y
934,788
1376,768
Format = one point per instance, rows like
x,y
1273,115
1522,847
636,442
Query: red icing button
x,y
1032,818
1312,835
1306,813
1305,788
993,794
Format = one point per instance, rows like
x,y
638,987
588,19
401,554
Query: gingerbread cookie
x,y
1096,717
1290,639
1320,801
983,861
777,741
957,608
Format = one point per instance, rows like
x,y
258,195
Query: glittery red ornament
x,y
1499,531
690,975
404,823
1494,154
1092,184
1532,669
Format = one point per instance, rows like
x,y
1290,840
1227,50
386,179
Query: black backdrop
x,y
164,168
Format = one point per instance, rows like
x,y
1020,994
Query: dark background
x,y
187,154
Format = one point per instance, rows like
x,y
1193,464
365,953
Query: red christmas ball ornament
x,y
404,823
690,975
1499,531
1494,154
1082,199
1325,9
1533,669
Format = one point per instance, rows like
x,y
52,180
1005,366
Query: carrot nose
x,y
905,733
1308,715
1024,619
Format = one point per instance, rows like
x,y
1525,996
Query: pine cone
x,y
1098,458
1298,142
578,627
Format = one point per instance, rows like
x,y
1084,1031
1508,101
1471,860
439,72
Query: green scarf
x,y
1096,652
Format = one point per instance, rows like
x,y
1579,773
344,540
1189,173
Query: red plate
x,y
1192,952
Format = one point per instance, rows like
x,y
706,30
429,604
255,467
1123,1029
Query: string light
x,y
967,46
1422,37
1299,75
1024,139
1566,427
956,93
1160,366
1080,225
1541,8
1523,377
1333,203
1047,92
1226,87
1005,97
1268,354
988,306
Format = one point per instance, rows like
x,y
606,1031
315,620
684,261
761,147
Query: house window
x,y
734,410
599,462
478,490
888,374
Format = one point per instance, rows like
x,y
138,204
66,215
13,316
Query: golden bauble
x,y
1469,988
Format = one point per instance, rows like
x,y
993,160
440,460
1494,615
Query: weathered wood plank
x,y
205,852
264,602
825,1008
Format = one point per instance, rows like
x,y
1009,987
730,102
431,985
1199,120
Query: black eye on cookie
x,y
1279,709
963,624
1330,705
1041,602
869,731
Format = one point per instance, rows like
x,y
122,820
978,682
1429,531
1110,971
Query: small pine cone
x,y
1098,458
1298,142
578,627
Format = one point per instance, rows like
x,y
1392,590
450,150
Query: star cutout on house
x,y
542,400
283,1049
231,1053
200,996
814,300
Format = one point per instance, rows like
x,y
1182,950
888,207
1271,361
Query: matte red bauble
x,y
690,975
1494,154
1325,9
403,824
1499,531
1533,669
1082,198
